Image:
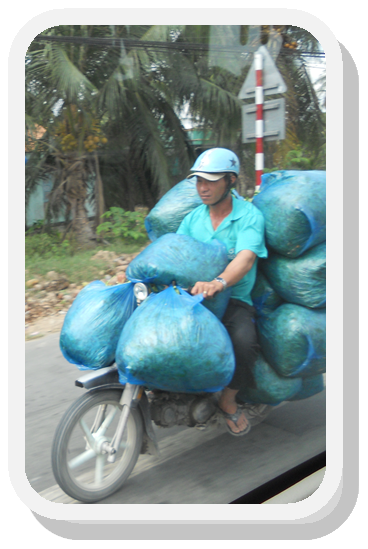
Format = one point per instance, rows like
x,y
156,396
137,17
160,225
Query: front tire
x,y
79,465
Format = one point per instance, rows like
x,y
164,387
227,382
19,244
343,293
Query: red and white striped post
x,y
259,163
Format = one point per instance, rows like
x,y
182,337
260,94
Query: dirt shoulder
x,y
44,326
48,299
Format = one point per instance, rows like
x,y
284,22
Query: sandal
x,y
234,418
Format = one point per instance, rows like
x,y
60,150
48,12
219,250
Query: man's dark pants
x,y
239,320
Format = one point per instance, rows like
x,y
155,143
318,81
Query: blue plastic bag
x,y
94,322
218,304
265,299
300,280
310,387
185,260
171,342
171,209
293,340
270,388
293,204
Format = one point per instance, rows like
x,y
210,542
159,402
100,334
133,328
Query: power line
x,y
143,44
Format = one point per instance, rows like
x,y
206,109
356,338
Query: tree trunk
x,y
241,185
82,229
100,202
76,191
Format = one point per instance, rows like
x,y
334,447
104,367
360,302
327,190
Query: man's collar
x,y
237,211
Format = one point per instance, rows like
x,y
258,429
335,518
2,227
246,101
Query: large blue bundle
x,y
185,260
300,280
294,207
265,299
173,343
218,304
310,387
293,340
169,212
94,322
270,388
178,257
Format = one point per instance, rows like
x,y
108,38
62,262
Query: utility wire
x,y
181,46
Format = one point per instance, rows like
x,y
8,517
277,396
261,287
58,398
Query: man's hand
x,y
208,289
234,272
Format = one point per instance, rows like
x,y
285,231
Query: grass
x,y
77,268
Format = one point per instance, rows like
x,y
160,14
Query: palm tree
x,y
61,98
306,123
102,90
128,85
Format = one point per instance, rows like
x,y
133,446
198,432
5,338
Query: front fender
x,y
104,377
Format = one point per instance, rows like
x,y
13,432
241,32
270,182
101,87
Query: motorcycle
x,y
101,436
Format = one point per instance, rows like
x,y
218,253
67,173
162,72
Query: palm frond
x,y
70,82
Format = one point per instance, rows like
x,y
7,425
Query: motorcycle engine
x,y
169,409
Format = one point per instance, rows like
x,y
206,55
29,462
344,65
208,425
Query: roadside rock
x,y
57,285
104,255
53,275
121,278
47,300
32,282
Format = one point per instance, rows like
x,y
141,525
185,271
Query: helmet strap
x,y
226,193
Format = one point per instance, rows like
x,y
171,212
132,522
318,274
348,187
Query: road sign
x,y
273,121
272,79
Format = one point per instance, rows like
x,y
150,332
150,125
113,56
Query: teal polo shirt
x,y
242,229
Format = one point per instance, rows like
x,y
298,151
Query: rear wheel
x,y
80,467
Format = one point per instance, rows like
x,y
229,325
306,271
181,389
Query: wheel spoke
x,y
81,459
99,417
107,421
100,462
87,432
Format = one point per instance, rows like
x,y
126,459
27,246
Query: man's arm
x,y
234,272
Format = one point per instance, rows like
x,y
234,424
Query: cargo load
x,y
94,322
300,280
171,342
185,260
293,340
270,388
310,386
293,204
265,299
171,209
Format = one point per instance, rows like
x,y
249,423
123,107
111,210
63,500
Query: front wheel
x,y
79,465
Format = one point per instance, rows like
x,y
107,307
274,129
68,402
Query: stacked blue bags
x,y
185,260
164,345
290,290
293,204
171,209
94,322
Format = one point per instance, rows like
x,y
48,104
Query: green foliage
x,y
301,159
123,224
297,160
47,244
79,267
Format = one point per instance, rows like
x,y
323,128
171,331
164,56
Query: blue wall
x,y
38,203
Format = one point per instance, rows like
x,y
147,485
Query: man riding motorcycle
x,y
240,226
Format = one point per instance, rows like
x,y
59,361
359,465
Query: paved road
x,y
195,466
